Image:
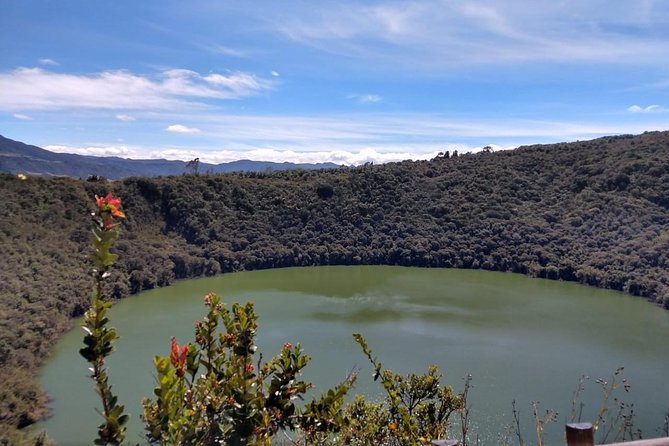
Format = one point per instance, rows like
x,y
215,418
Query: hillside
x,y
595,212
17,157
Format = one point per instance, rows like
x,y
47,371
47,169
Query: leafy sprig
x,y
99,338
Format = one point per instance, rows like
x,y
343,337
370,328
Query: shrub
x,y
215,391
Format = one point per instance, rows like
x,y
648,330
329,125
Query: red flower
x,y
109,204
178,357
108,200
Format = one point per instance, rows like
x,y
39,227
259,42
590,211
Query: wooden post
x,y
444,442
579,434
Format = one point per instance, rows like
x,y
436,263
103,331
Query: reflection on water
x,y
520,338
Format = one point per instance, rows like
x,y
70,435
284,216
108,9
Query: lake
x,y
521,339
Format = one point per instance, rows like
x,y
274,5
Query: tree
x,y
193,166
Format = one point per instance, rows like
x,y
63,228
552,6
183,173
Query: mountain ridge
x,y
19,157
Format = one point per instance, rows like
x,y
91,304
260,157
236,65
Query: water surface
x,y
520,338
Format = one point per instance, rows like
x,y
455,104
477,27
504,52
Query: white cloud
x,y
22,117
243,84
275,73
638,109
340,156
366,98
178,128
120,151
228,51
125,118
493,147
48,62
370,99
178,154
279,156
37,89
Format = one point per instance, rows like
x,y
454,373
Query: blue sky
x,y
342,81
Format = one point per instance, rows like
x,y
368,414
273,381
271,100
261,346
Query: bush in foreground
x,y
218,390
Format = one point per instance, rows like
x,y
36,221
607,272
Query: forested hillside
x,y
596,212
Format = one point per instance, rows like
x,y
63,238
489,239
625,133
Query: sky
x,y
328,81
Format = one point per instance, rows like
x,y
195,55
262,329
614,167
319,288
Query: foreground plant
x,y
215,391
541,420
615,417
99,339
415,411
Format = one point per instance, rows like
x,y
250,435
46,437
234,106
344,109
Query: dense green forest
x,y
596,212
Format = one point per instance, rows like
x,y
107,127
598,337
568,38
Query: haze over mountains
x,y
18,157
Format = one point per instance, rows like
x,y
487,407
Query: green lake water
x,y
520,338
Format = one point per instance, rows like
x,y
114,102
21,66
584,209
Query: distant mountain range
x,y
17,157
